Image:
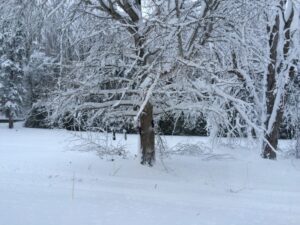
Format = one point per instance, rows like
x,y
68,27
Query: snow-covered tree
x,y
244,72
292,112
12,59
283,51
132,63
117,75
50,57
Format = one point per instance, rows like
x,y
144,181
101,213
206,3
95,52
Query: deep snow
x,y
43,182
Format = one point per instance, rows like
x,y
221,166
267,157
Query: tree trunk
x,y
298,144
147,135
272,138
10,121
275,68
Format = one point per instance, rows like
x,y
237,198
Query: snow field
x,y
43,182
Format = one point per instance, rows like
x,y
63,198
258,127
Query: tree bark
x,y
147,135
275,68
10,121
272,138
298,144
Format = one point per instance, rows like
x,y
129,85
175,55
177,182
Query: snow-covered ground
x,y
43,182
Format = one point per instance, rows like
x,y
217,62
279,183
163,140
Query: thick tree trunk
x,y
272,138
268,152
146,119
147,135
275,69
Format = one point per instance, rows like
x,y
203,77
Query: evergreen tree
x,y
12,58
